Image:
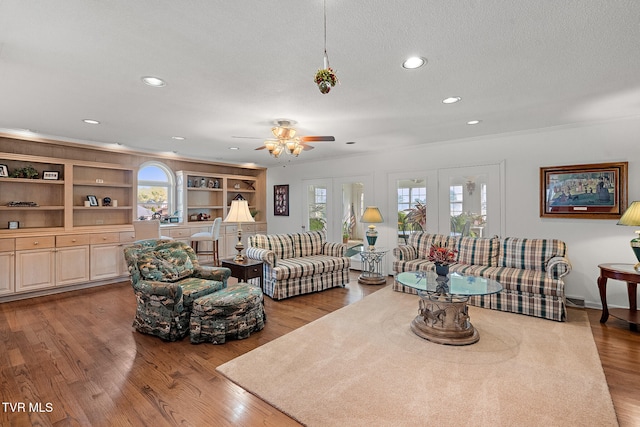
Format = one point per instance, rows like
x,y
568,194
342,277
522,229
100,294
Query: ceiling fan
x,y
286,141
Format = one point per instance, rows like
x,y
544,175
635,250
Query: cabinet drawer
x,y
26,243
72,240
99,239
127,237
7,245
261,228
179,232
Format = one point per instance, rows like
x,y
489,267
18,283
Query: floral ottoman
x,y
234,312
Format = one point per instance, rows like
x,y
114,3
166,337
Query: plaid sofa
x,y
167,279
299,263
529,270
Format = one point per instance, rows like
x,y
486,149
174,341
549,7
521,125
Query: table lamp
x,y
632,217
371,216
239,213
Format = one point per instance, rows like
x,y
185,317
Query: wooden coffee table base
x,y
444,320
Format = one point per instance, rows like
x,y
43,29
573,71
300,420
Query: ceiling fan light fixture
x,y
297,150
270,145
282,132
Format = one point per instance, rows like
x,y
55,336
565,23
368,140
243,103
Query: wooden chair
x,y
150,229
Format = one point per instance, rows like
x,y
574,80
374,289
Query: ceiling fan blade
x,y
306,147
262,147
317,138
246,137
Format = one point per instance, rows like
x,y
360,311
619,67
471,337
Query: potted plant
x,y
442,257
325,79
417,216
345,232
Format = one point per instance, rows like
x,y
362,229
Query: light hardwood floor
x,y
76,360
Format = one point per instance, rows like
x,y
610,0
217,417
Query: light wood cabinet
x,y
29,278
72,265
7,270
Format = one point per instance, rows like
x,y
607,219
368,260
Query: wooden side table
x,y
625,273
245,270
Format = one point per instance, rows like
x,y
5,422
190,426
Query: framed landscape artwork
x,y
594,191
281,200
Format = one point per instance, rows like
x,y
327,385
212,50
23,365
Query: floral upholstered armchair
x,y
166,279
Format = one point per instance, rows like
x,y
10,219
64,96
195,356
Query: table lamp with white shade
x,y
239,213
632,217
371,216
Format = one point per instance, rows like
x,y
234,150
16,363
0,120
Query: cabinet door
x,y
7,273
105,261
35,269
72,265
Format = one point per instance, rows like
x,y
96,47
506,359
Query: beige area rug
x,y
362,366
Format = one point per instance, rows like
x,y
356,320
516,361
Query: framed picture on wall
x,y
592,191
281,200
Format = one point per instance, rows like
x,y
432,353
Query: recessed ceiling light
x,y
234,148
179,138
91,122
473,122
414,62
451,100
153,81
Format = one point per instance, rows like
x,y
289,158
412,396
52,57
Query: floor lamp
x,y
239,213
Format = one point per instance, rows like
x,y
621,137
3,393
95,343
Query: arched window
x,y
156,191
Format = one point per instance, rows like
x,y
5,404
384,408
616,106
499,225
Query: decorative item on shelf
x,y
371,216
4,171
442,257
254,213
236,186
239,197
93,200
14,225
211,184
51,175
106,201
28,172
216,184
193,217
250,185
325,77
631,217
239,214
16,204
203,183
189,183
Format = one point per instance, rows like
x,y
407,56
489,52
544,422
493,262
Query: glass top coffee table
x,y
443,316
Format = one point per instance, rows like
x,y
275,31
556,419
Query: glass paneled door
x,y
474,205
317,206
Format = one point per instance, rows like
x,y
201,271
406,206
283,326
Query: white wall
x,y
590,242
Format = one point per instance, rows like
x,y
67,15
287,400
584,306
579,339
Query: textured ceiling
x,y
234,67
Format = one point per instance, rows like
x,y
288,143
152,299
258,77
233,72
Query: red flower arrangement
x,y
442,255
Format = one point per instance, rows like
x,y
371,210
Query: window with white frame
x,y
156,195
